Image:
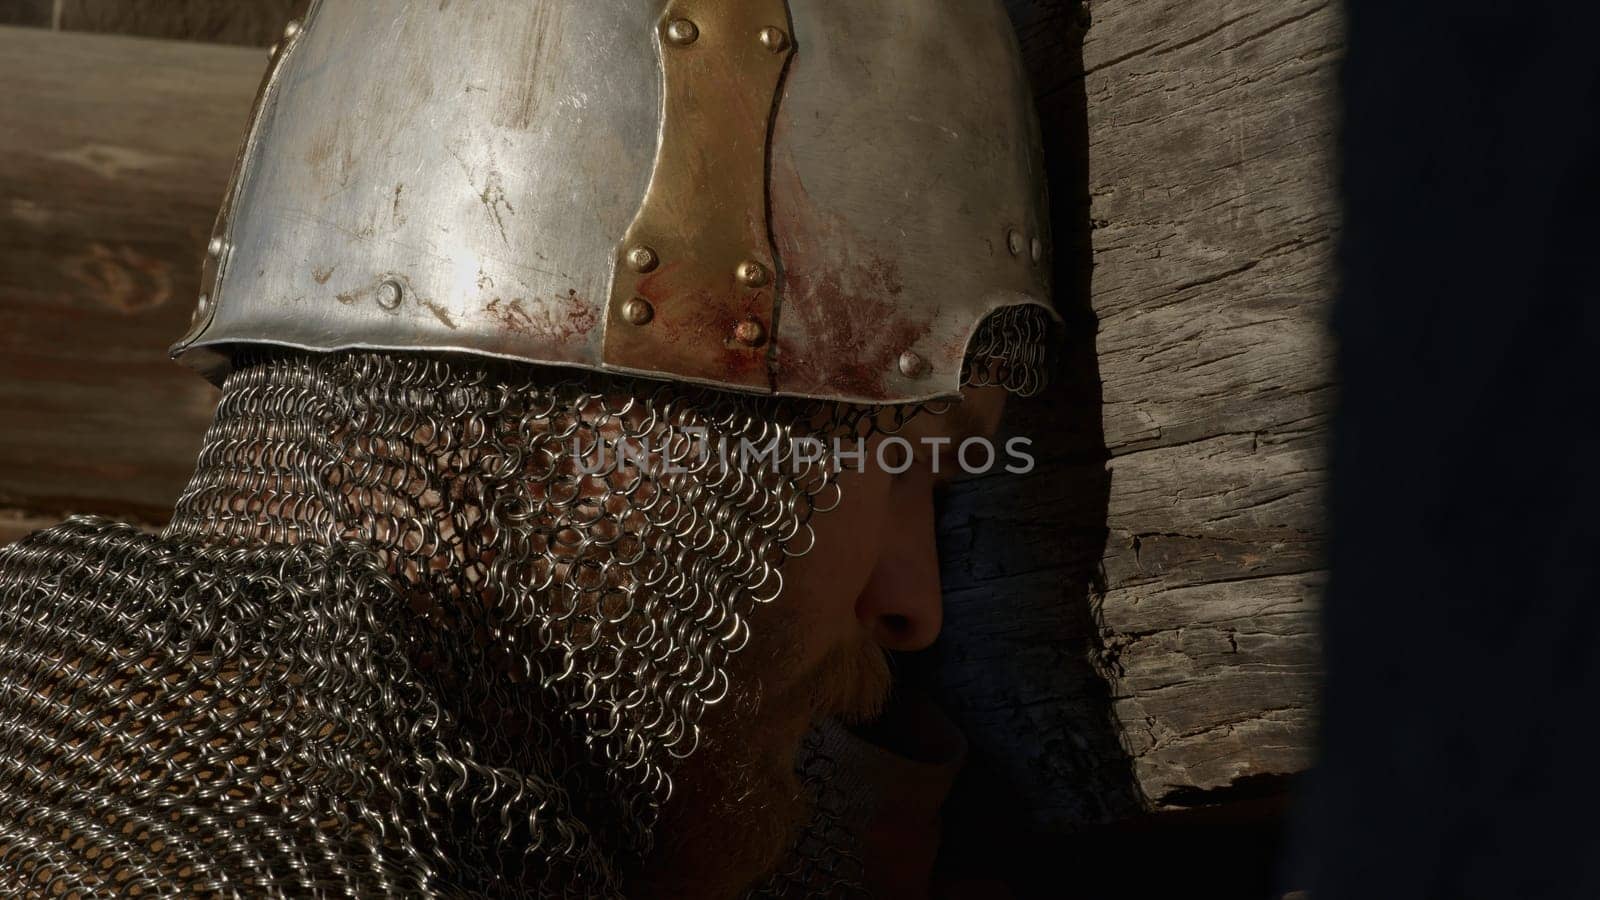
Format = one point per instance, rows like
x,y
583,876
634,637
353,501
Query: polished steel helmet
x,y
815,198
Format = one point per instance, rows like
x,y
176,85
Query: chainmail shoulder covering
x,y
406,635
182,720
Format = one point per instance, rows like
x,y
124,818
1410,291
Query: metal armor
x,y
814,198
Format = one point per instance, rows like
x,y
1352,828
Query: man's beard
x,y
738,805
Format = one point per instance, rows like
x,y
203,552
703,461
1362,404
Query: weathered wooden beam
x,y
16,523
1212,164
1135,624
117,151
34,13
256,23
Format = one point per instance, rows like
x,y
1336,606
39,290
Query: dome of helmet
x,y
809,198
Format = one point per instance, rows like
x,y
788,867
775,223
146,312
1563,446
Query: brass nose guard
x,y
705,215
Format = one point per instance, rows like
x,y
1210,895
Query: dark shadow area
x,y
1461,621
1049,805
1018,668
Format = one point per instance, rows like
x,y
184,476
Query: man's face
x,y
872,580
869,584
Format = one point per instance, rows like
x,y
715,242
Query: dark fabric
x,y
1463,619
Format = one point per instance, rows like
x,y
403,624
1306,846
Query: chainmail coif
x,y
401,639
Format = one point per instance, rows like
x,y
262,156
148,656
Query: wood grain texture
x,y
16,524
31,13
116,155
1134,625
1212,165
256,23
1020,666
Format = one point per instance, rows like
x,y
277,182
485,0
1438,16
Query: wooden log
x,y
16,523
1134,625
256,23
33,13
117,152
1212,159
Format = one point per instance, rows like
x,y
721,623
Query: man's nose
x,y
903,606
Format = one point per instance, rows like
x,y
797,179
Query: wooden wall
x,y
249,22
1130,628
1134,626
114,153
1212,165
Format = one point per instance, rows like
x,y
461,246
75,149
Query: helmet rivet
x,y
774,39
390,293
638,311
642,259
682,32
750,333
912,365
215,248
753,274
1015,242
1038,250
291,30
